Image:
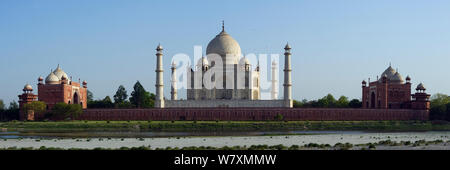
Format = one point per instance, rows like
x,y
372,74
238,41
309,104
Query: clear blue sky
x,y
336,44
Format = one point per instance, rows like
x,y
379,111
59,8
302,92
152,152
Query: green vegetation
x,y
139,98
105,103
2,105
120,99
227,125
61,111
121,95
90,96
38,107
328,101
440,107
13,105
10,113
64,111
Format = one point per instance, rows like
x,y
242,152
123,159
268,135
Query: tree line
x,y
440,107
328,101
60,111
9,113
139,98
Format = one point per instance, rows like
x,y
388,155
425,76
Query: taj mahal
x,y
234,82
225,85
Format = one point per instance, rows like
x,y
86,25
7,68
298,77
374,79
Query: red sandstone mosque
x,y
58,87
392,92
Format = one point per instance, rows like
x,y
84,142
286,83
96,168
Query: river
x,y
90,140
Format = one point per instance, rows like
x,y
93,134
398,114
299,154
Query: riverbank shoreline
x,y
381,145
205,126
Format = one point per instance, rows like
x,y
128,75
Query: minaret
x,y
173,92
159,101
274,81
287,76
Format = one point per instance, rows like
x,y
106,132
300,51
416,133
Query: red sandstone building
x,y
391,92
27,96
57,88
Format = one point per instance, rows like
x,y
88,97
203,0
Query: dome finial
x,y
223,25
287,47
159,47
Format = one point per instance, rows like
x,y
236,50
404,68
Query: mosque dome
x,y
52,79
60,73
27,87
397,78
389,72
223,45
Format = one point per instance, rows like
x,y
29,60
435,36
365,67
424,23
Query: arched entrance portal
x,y
372,100
76,98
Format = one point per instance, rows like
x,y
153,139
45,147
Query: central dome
x,y
389,72
223,45
60,73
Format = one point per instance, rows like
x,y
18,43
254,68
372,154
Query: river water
x,y
90,140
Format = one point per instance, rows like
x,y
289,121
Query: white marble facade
x,y
240,83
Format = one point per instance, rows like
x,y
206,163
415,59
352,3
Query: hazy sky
x,y
336,43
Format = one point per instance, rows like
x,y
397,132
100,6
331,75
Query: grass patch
x,y
226,125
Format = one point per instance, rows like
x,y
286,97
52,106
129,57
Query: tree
x,y
151,98
107,102
125,105
355,103
63,111
10,113
2,105
327,101
121,95
13,105
438,112
141,98
439,99
342,102
439,107
297,104
90,96
104,103
38,107
107,99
